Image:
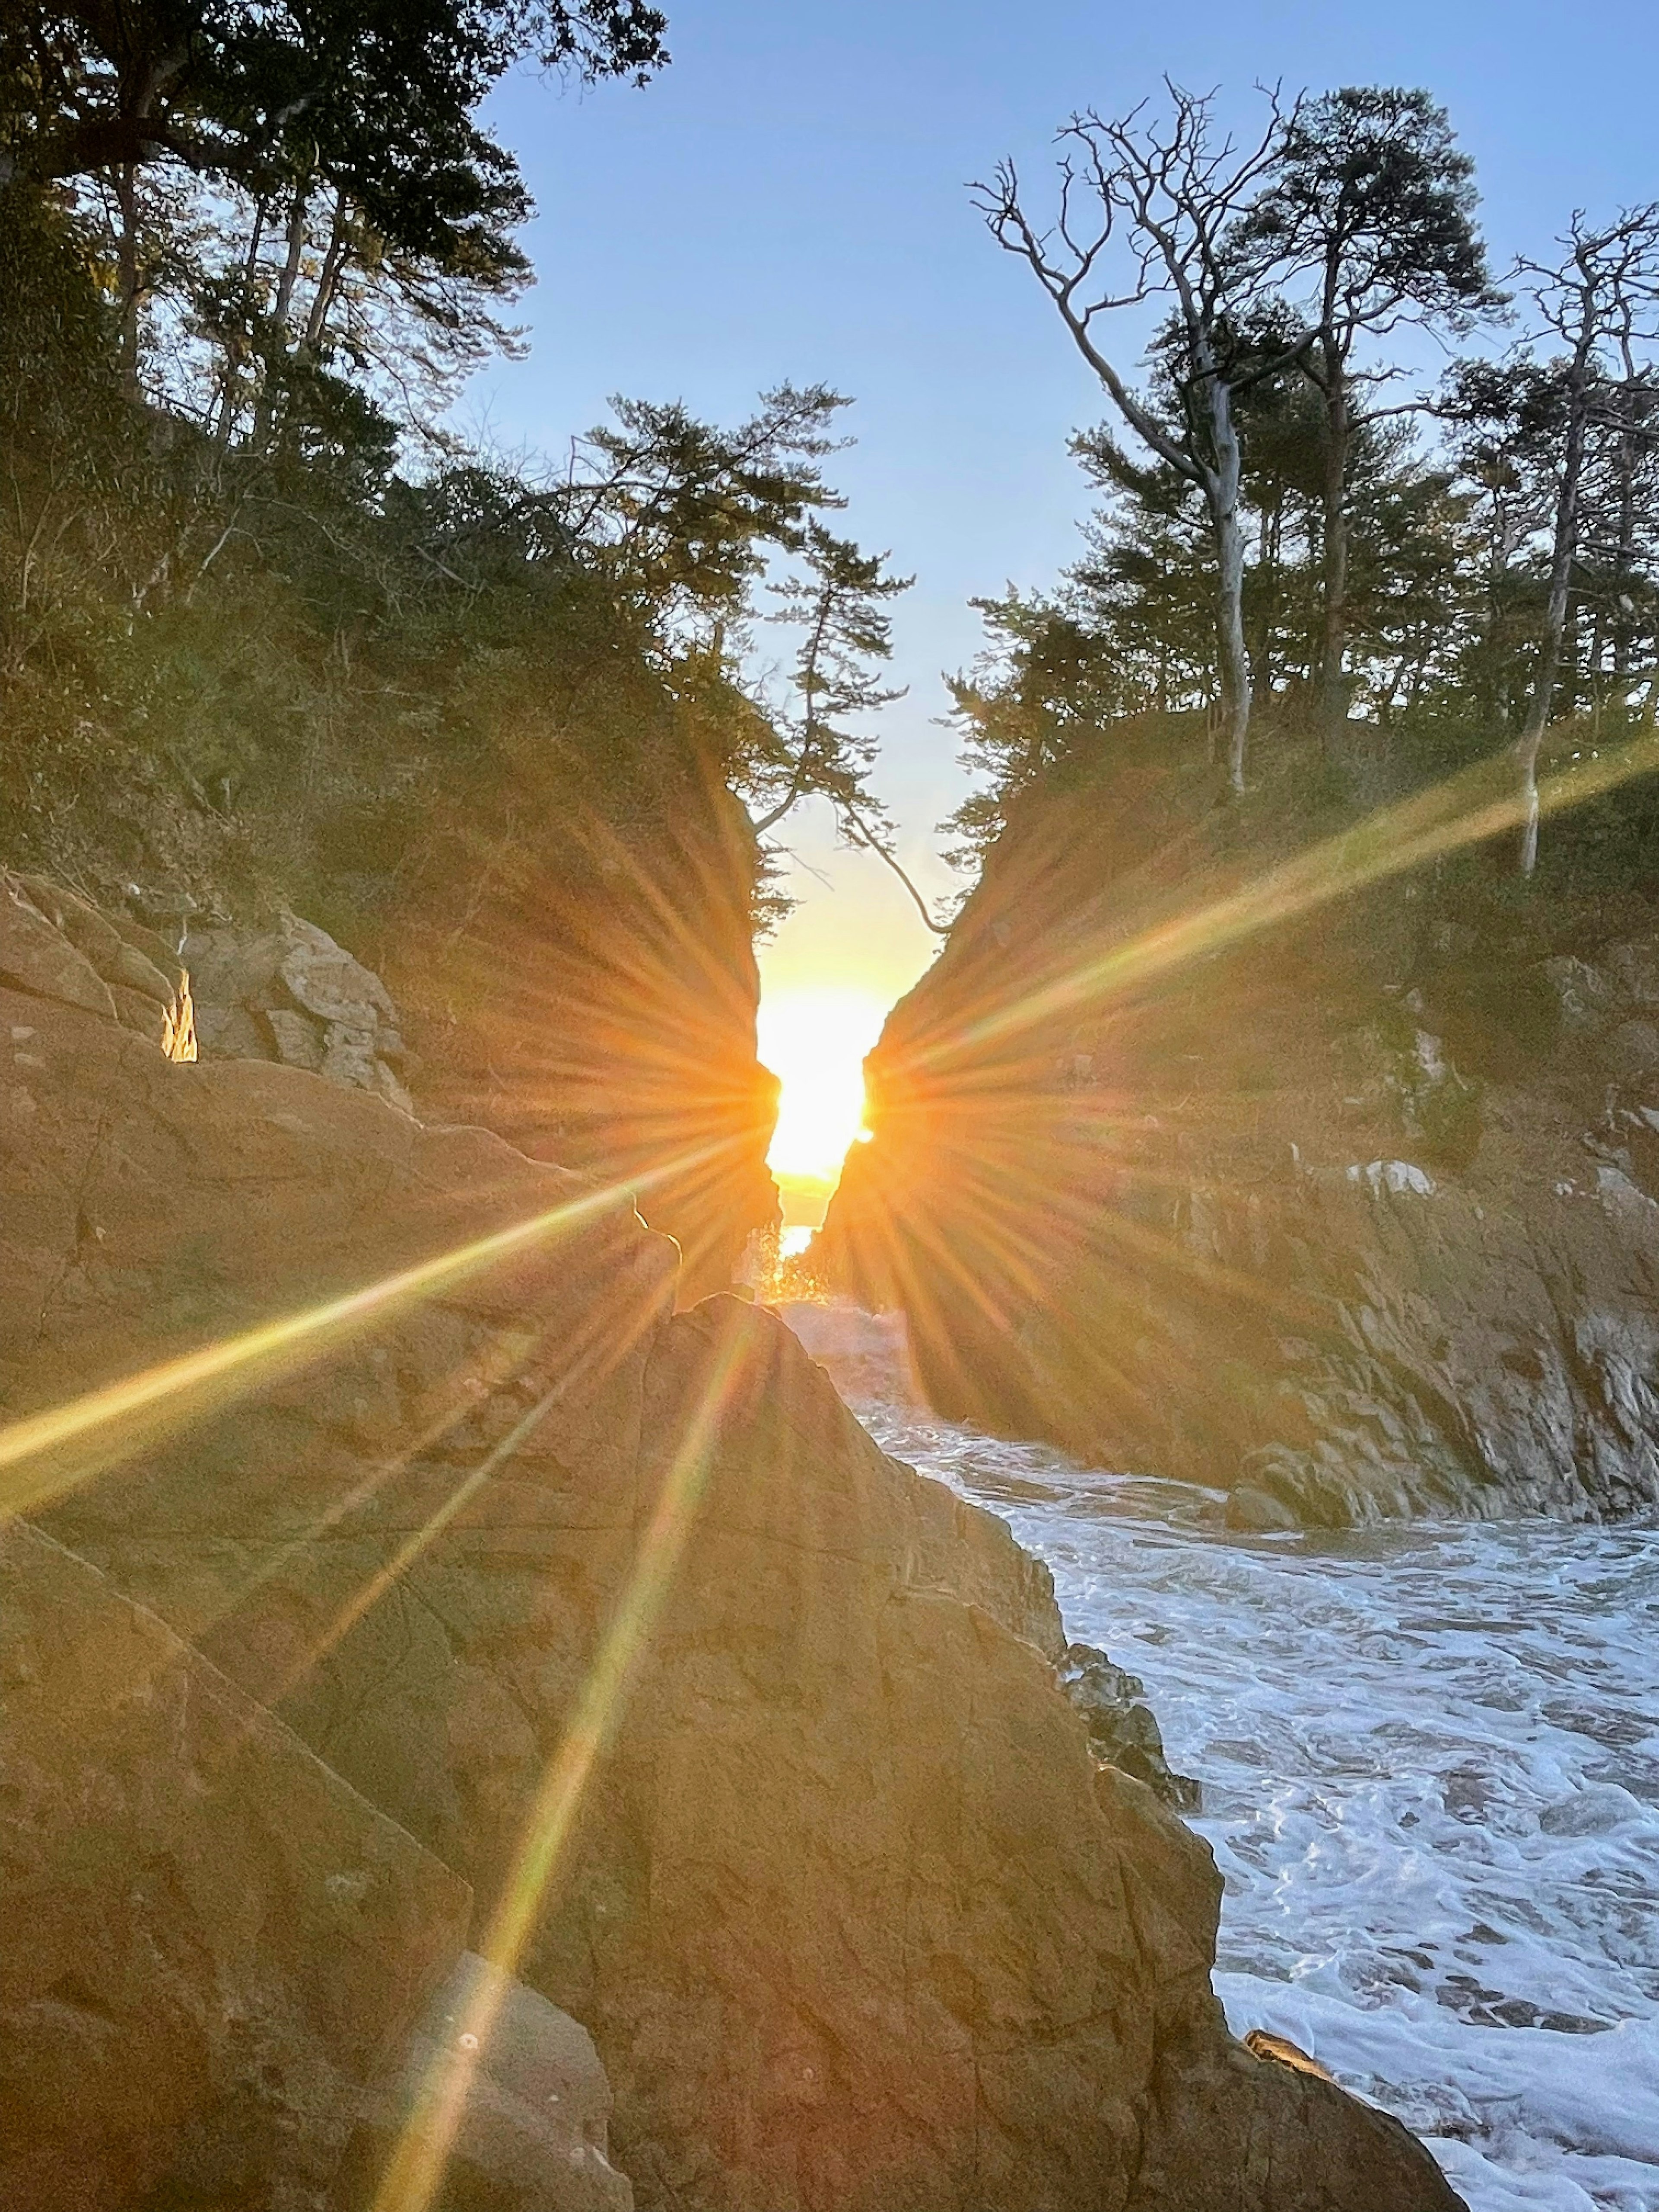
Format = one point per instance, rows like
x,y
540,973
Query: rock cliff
x,y
612,1614
1350,1213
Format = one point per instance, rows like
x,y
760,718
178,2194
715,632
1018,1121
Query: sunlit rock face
x,y
748,1741
207,1940
1348,1213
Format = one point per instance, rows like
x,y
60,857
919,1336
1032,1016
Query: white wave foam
x,y
1430,1767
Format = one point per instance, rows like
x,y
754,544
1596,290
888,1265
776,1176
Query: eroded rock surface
x,y
536,2106
290,994
1352,1219
856,1921
209,1940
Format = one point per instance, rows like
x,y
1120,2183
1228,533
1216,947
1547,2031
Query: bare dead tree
x,y
1147,212
1602,294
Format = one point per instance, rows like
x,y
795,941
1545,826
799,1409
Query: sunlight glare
x,y
814,1041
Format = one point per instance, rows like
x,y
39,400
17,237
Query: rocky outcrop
x,y
208,1939
754,1736
291,994
56,944
535,2114
598,1009
633,1057
1350,1214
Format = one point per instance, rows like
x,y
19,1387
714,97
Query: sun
x,y
814,1041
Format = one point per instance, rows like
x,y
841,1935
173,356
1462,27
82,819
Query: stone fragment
x,y
534,2126
1260,2043
37,958
231,1033
349,1055
298,1044
129,968
230,969
135,1009
1122,1728
328,982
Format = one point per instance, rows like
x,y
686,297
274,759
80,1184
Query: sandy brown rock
x,y
36,958
208,1940
857,1923
535,2105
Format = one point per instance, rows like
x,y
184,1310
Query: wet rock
x,y
1260,2043
1259,1511
1123,1731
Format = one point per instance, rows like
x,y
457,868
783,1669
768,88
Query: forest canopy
x,y
265,615
1297,529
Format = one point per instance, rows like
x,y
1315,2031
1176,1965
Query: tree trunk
x,y
126,198
1221,492
1229,630
1334,611
1555,609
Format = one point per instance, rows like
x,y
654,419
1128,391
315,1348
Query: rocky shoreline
x,y
1357,1220
854,1915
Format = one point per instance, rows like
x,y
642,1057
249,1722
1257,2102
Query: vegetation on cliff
x,y
1415,578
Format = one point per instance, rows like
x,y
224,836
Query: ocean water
x,y
1430,1760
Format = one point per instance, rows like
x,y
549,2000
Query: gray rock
x,y
348,1053
534,2125
1259,1510
229,968
231,1033
297,1042
1122,1729
328,982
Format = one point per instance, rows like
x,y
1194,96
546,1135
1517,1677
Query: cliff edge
x,y
750,1740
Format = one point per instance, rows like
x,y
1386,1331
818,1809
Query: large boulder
x,y
210,1943
756,1736
291,994
1336,1209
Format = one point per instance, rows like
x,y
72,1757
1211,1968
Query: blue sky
x,y
788,201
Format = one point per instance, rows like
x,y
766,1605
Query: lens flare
x,y
101,1426
415,2170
